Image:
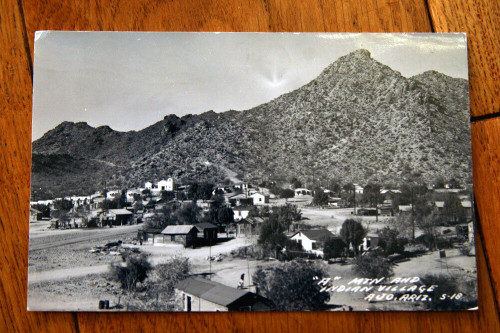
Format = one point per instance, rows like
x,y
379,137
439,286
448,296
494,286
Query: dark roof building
x,y
317,234
199,294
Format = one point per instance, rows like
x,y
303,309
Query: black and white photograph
x,y
188,172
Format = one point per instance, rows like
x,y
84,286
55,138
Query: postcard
x,y
251,172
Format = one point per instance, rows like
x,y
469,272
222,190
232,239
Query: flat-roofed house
x,y
182,234
199,294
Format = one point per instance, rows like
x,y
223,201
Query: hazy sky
x,y
132,80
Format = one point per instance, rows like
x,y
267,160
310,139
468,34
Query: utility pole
x,y
412,213
354,192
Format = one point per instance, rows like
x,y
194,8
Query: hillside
x,y
358,121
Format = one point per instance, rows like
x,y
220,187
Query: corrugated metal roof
x,y
211,291
177,229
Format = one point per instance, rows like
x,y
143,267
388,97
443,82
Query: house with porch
x,y
116,217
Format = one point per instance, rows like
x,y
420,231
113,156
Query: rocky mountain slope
x,y
358,121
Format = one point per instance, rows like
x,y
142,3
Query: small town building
x,y
404,209
35,214
467,207
334,201
300,192
151,236
132,194
241,212
205,205
260,199
312,240
148,185
110,195
116,217
182,234
371,241
247,227
199,294
96,202
165,185
358,189
207,232
240,200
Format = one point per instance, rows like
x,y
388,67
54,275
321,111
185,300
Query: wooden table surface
x,y
20,19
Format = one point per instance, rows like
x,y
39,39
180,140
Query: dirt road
x,y
51,239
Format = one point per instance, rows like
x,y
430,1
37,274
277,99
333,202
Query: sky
x,y
130,80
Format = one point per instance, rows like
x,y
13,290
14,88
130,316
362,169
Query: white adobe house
x,y
369,242
148,185
358,188
131,194
312,240
241,213
165,185
299,192
260,199
113,194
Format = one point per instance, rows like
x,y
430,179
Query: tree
x,y
372,265
334,248
135,270
171,272
167,196
287,193
201,191
352,232
225,216
390,241
371,194
286,215
296,183
320,197
292,286
453,210
44,209
188,214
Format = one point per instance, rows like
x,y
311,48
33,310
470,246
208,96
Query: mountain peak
x,y
361,53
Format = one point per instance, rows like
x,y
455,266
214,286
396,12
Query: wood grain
x,y
225,15
486,169
481,21
15,143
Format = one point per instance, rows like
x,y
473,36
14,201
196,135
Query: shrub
x,y
170,273
465,249
135,269
334,248
462,289
372,265
292,286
